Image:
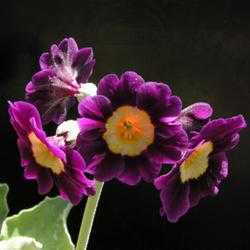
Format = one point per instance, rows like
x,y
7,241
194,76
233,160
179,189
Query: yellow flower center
x,y
197,162
129,131
43,156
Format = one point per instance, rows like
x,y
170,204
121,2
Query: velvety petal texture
x,y
149,103
47,159
177,194
63,70
195,116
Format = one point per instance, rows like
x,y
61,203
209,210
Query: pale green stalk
x,y
88,218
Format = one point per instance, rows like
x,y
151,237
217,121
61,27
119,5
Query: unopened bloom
x,y
202,169
64,72
195,116
47,159
129,129
69,130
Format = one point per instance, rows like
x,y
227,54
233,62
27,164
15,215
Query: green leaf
x,y
4,210
45,222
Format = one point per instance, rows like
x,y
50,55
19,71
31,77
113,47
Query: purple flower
x,y
203,168
64,70
129,129
47,159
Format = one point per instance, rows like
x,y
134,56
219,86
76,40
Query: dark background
x,y
201,48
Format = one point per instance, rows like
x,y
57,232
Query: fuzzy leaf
x,y
4,210
45,222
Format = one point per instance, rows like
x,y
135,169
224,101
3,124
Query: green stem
x,y
88,218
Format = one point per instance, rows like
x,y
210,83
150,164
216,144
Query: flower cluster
x,y
127,129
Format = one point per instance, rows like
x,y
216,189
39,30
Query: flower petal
x,y
131,174
25,153
155,98
108,86
174,196
43,78
169,145
199,110
45,61
73,184
82,57
69,47
110,167
208,184
120,92
44,181
31,171
149,170
95,107
21,113
217,129
85,72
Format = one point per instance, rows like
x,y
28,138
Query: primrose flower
x,y
63,76
202,169
47,159
129,129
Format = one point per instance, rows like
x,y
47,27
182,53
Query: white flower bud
x,y
69,130
86,89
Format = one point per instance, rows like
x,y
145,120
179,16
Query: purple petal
x,y
82,57
68,190
73,184
168,146
161,181
44,181
43,77
174,196
208,183
30,88
220,128
164,155
227,143
88,146
120,92
149,170
218,166
195,116
96,107
69,47
110,167
32,171
45,61
130,81
21,113
156,100
108,86
199,110
57,55
131,174
85,72
89,124
25,153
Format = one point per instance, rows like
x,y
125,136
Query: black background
x,y
201,48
